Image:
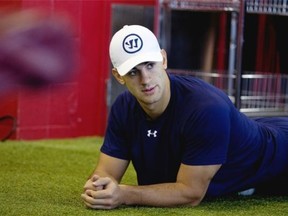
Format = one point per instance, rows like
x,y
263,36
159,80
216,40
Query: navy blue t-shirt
x,y
200,126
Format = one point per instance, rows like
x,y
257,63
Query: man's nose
x,y
145,76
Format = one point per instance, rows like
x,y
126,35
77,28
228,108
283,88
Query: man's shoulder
x,y
194,87
194,95
124,99
124,105
190,83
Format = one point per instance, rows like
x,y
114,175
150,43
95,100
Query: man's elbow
x,y
195,198
195,202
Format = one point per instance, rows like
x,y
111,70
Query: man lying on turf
x,y
185,138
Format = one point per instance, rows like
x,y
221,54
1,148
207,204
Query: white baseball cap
x,y
133,45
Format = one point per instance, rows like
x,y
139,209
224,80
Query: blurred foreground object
x,y
35,50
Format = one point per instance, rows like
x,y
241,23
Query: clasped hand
x,y
101,193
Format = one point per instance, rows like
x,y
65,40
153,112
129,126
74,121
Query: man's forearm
x,y
105,193
161,195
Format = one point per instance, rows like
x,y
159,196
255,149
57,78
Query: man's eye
x,y
132,73
150,65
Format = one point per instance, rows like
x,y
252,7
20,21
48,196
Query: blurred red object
x,y
35,50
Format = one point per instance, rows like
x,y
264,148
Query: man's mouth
x,y
148,90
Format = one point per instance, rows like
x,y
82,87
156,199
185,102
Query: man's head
x,y
133,45
140,65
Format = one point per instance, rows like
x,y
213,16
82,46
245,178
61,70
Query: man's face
x,y
148,82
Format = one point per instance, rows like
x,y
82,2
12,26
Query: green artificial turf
x,y
46,178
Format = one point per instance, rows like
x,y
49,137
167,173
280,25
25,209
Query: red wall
x,y
75,108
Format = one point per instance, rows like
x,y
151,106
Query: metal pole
x,y
232,52
239,54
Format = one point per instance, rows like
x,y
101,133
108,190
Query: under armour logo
x,y
149,133
132,43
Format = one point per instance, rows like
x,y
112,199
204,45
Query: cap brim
x,y
134,61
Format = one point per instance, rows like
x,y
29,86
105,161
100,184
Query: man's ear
x,y
164,54
117,76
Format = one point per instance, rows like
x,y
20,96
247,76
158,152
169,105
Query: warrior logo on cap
x,y
132,43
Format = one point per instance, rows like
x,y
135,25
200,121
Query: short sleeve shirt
x,y
200,126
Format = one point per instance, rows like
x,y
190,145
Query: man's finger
x,y
101,182
95,178
99,194
94,201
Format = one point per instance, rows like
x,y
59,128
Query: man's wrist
x,y
128,195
